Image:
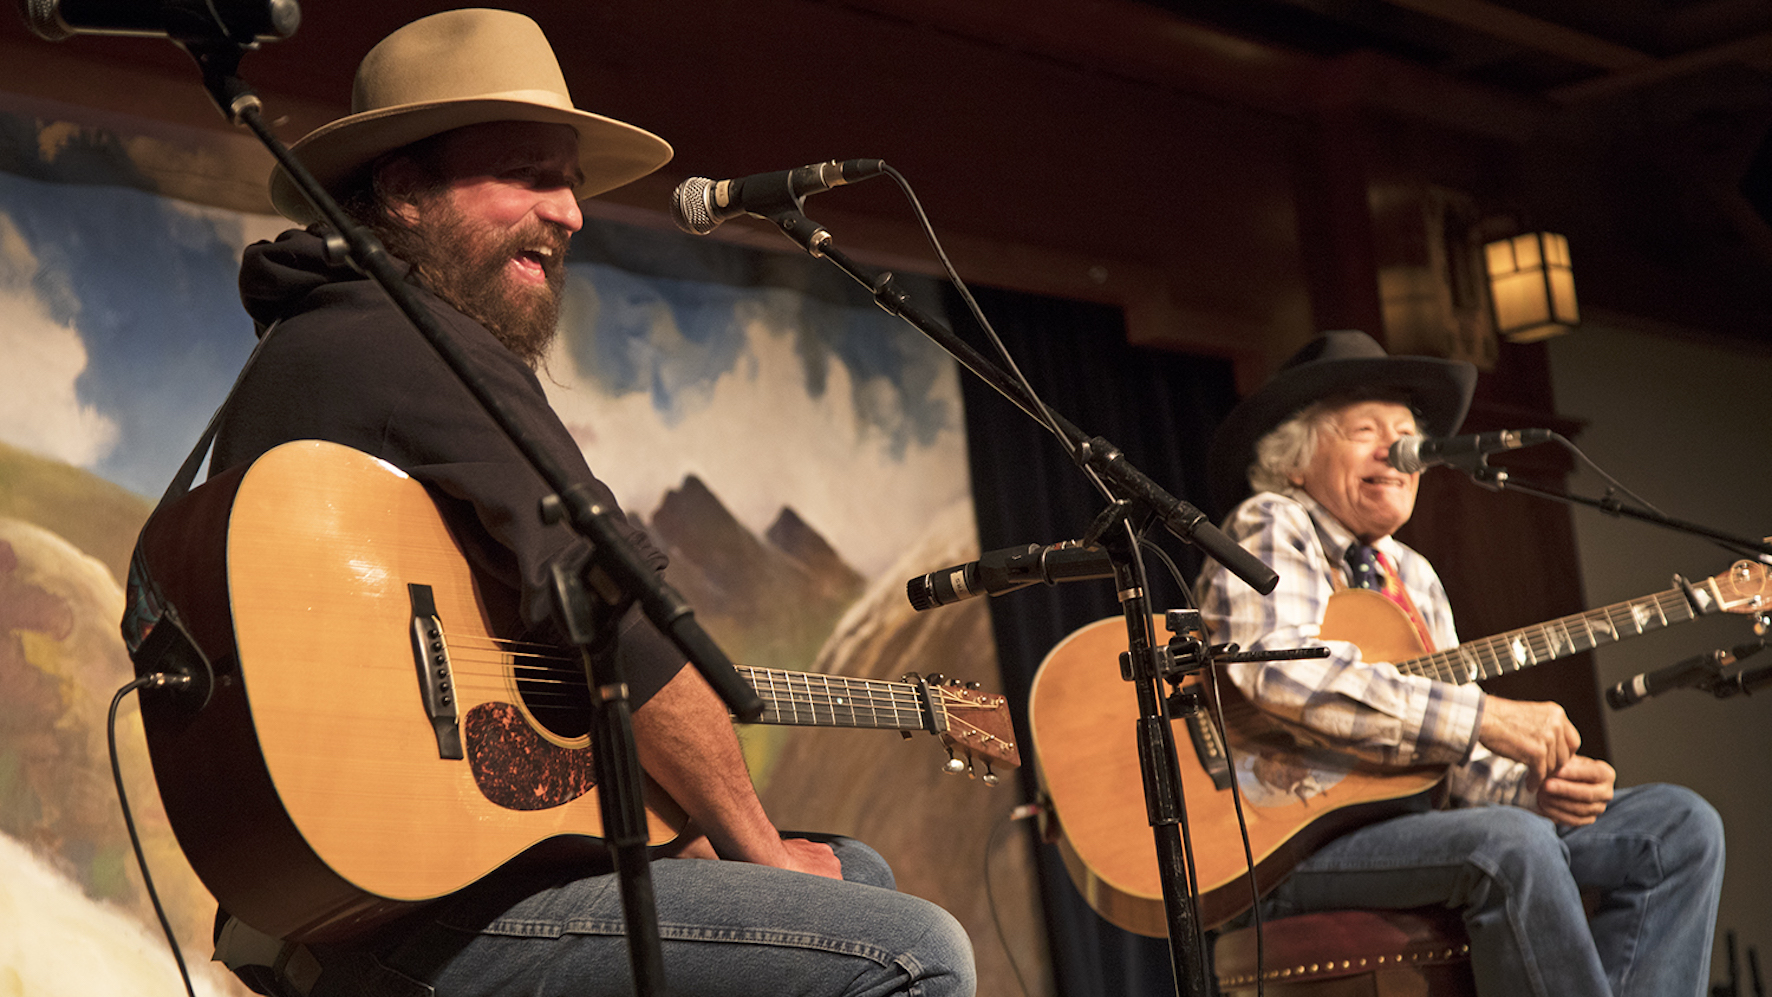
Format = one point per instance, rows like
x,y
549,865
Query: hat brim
x,y
1440,391
611,153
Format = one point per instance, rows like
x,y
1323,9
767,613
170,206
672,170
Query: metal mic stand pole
x,y
1158,765
615,574
591,626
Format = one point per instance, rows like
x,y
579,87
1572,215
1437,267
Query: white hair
x,y
1286,450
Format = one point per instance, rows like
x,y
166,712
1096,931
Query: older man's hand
x,y
1577,793
1538,735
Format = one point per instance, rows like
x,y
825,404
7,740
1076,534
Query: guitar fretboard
x,y
1535,645
811,700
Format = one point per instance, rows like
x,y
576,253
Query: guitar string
x,y
1669,607
897,692
538,678
900,699
555,664
903,704
534,664
874,695
902,711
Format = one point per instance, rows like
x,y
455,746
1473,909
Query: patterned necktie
x,y
1369,568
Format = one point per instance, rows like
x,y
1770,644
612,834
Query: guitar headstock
x,y
978,726
1744,588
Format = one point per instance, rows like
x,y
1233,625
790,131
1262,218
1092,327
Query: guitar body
x,y
1083,716
311,793
373,741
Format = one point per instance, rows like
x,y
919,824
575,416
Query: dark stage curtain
x,y
1159,408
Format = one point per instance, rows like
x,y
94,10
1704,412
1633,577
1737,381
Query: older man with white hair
x,y
1532,822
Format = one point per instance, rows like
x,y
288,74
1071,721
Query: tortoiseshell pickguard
x,y
518,769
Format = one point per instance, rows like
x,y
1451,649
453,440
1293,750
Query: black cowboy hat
x,y
1332,364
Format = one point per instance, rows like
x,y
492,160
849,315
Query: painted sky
x,y
772,398
120,331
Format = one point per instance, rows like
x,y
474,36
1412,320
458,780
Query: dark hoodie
x,y
345,365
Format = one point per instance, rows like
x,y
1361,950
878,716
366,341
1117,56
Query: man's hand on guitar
x,y
1536,734
1578,792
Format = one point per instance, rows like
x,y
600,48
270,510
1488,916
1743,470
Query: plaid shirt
x,y
1365,708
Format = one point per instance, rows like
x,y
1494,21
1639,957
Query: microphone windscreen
x,y
692,206
41,17
1405,454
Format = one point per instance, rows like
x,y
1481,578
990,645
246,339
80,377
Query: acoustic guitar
x,y
373,741
1296,795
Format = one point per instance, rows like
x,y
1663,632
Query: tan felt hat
x,y
458,68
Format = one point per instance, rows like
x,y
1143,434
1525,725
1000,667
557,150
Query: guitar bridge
x,y
436,677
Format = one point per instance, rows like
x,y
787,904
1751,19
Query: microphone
x,y
699,205
1418,453
1007,570
1692,671
243,21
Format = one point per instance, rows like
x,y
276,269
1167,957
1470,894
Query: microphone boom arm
x,y
1497,478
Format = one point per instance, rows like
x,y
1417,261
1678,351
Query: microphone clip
x,y
1109,518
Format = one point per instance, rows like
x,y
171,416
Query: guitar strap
x,y
152,647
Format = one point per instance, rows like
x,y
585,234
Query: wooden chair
x,y
1351,953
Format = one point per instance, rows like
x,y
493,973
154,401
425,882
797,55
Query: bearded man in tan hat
x,y
466,155
1533,823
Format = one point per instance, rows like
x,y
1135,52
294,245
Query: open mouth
x,y
535,261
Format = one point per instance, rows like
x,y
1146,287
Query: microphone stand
x,y
1137,499
589,604
1497,479
1159,768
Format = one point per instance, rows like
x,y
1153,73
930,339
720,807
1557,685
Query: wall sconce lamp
x,y
1532,287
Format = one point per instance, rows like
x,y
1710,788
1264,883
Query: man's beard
x,y
464,263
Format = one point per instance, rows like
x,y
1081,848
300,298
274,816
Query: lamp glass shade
x,y
1532,286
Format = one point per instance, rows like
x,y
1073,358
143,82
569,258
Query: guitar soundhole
x,y
557,696
518,769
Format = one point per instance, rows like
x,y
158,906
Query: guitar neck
x,y
1535,645
805,699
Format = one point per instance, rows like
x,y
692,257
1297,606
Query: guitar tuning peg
x,y
974,686
953,766
938,679
989,778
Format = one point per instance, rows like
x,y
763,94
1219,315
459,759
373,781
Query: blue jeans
x,y
1655,857
727,928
